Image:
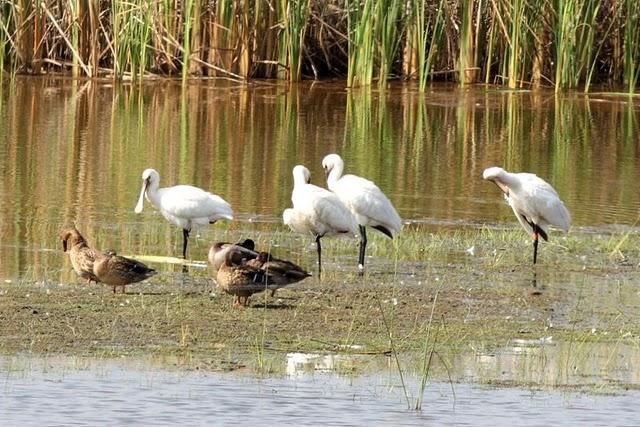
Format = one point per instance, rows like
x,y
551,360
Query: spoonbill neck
x,y
152,193
507,180
300,176
335,173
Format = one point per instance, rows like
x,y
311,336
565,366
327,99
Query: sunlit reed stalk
x,y
417,62
387,33
222,35
361,42
466,59
516,39
631,45
75,34
186,37
437,28
5,36
293,24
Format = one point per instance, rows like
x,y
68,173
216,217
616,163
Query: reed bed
x,y
563,44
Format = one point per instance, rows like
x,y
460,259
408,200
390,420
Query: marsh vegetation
x,y
561,44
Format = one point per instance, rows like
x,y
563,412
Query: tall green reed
x,y
574,30
387,13
423,35
131,38
293,24
467,56
360,25
631,68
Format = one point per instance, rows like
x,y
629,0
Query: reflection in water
x,y
533,362
74,152
537,288
299,364
60,391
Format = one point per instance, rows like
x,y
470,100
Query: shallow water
x,y
74,151
90,392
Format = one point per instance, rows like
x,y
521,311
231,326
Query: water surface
x,y
74,151
90,392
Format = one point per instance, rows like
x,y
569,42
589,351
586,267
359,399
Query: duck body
x,y
117,271
82,256
242,280
282,272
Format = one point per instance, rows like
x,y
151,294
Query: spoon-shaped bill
x,y
140,203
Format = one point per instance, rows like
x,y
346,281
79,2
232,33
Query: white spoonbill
x,y
316,211
183,205
535,202
365,200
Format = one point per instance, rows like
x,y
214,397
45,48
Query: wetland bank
x,y
457,281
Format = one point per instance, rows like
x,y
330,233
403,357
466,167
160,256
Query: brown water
x,y
74,151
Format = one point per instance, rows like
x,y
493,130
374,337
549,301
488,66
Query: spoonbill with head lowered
x,y
369,205
534,202
316,211
183,205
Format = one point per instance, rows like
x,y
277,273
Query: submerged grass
x,y
490,295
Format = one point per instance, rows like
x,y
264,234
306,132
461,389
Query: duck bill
x,y
64,246
140,204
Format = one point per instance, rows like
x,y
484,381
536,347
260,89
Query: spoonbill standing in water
x,y
533,200
183,205
365,200
316,211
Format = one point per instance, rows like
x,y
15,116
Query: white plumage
x,y
534,201
183,205
316,211
368,204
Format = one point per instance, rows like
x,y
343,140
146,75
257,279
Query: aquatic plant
x,y
564,44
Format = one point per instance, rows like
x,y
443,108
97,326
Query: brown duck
x,y
115,270
81,255
238,278
218,252
282,272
